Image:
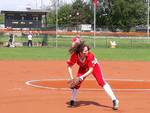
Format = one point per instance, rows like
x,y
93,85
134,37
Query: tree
x,y
103,9
1,19
51,20
64,15
121,14
127,13
81,13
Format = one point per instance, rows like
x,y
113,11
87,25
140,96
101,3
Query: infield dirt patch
x,y
17,97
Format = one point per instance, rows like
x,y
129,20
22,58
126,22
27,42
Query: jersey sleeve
x,y
72,60
91,60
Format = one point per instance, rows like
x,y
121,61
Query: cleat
x,y
72,103
115,104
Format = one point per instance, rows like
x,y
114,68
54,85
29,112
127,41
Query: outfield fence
x,y
63,39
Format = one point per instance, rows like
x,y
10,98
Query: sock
x,y
74,94
109,91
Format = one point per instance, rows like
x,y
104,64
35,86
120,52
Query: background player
x,y
76,40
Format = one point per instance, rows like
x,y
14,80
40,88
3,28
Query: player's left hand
x,y
74,82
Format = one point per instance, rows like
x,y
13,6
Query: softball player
x,y
76,40
88,64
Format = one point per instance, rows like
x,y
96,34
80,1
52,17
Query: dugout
x,y
25,19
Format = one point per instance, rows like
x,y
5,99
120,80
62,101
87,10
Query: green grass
x,y
128,48
44,53
131,54
32,53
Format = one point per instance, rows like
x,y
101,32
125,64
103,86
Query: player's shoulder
x,y
74,54
90,55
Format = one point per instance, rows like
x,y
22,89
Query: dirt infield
x,y
17,97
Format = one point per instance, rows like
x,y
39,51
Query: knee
x,y
102,83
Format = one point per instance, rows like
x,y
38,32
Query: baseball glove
x,y
74,82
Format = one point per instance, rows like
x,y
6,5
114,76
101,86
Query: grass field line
x,y
30,83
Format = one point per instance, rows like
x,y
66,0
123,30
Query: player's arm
x,y
70,71
70,63
87,73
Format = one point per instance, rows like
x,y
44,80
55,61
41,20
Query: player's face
x,y
85,52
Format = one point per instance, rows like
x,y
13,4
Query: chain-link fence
x,y
63,39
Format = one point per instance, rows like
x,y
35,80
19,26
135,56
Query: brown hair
x,y
78,48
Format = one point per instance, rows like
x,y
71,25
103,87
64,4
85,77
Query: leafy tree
x,y
64,15
127,13
121,14
81,13
51,18
1,19
103,9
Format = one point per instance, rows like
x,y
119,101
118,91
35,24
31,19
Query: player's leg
x,y
31,43
100,79
109,91
73,97
28,43
75,90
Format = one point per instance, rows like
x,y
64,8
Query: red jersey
x,y
75,39
89,61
